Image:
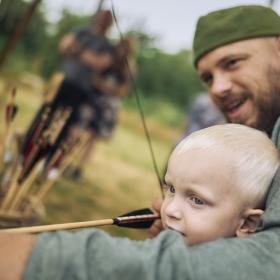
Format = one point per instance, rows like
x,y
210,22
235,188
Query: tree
x,y
166,76
23,26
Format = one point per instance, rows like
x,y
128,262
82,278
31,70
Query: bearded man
x,y
241,67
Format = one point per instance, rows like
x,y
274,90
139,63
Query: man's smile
x,y
235,108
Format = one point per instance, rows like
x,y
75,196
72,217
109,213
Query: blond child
x,y
216,183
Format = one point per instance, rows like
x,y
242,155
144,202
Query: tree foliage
x,y
34,37
169,77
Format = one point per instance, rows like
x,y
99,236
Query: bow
x,y
139,106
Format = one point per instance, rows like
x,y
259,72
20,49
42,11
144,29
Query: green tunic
x,y
92,254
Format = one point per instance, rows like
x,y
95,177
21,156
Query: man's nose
x,y
220,86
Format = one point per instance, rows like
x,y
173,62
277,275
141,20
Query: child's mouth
x,y
168,227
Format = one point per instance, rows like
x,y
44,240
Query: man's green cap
x,y
233,24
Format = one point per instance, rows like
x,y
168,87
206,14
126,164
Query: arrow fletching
x,y
141,219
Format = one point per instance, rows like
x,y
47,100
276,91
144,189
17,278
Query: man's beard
x,y
268,103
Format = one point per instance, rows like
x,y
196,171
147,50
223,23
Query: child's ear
x,y
250,222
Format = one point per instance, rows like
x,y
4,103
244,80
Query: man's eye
x,y
197,200
207,79
232,62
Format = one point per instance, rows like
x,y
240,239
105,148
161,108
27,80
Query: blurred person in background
x,y
86,52
203,113
111,85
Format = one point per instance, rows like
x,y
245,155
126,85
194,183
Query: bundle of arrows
x,y
32,162
29,163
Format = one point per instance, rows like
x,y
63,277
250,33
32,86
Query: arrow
x,y
10,113
142,218
11,108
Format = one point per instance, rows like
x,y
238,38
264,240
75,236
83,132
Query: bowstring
x,y
139,106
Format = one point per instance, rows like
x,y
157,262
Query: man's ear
x,y
250,222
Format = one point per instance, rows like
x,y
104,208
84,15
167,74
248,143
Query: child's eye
x,y
171,189
197,200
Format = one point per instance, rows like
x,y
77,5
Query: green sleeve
x,y
93,254
255,257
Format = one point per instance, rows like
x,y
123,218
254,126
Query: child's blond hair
x,y
255,158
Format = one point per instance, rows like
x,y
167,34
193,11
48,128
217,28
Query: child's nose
x,y
173,210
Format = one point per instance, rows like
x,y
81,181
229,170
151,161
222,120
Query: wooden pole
x,y
12,190
20,28
24,188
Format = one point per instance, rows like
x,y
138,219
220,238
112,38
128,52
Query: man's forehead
x,y
244,47
218,54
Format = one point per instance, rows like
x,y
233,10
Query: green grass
x,y
119,176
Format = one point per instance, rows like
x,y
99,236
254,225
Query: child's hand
x,y
156,227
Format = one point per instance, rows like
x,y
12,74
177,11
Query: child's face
x,y
201,202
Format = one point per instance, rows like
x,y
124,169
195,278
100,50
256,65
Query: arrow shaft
x,y
55,227
77,225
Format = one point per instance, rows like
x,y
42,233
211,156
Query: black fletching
x,y
141,219
143,211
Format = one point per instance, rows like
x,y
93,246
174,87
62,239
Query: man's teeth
x,y
235,104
